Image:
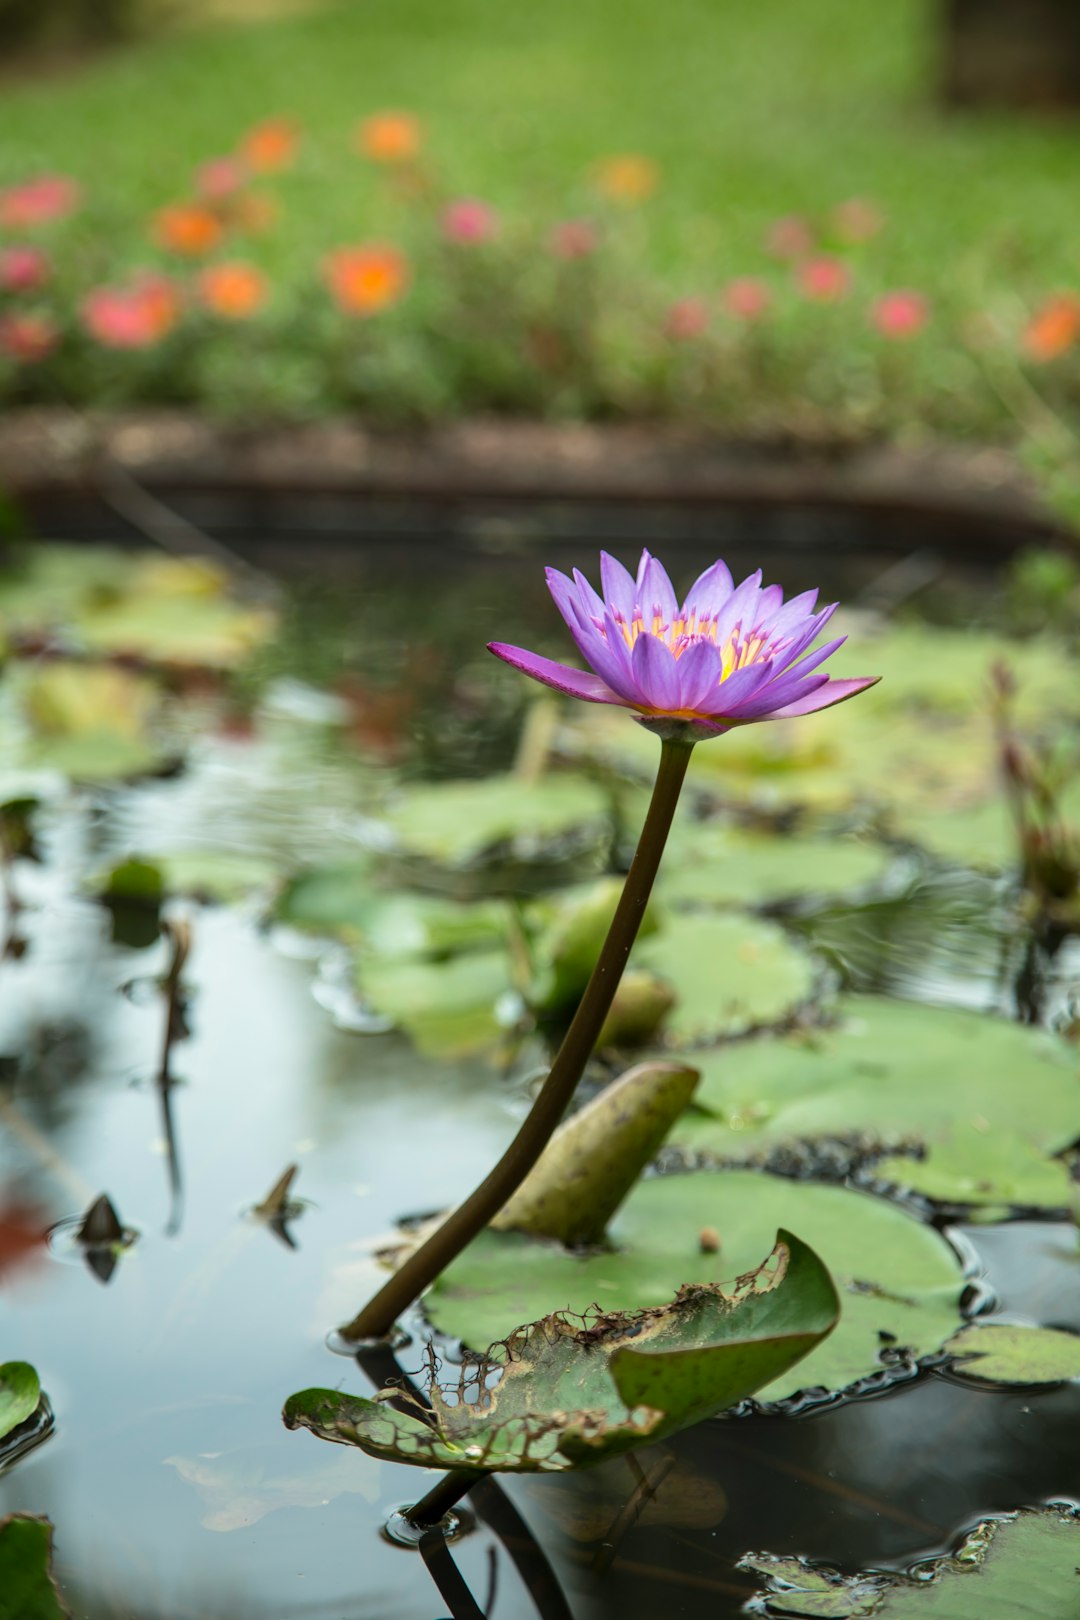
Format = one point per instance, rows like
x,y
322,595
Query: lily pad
x,y
91,722
899,1281
712,862
1024,1568
892,1074
27,1591
563,1393
503,823
212,875
332,899
449,1008
1005,1353
729,973
983,1168
20,1392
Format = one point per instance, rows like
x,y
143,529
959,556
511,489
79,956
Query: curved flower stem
x,y
464,1223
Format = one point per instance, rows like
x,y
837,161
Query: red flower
x,y
469,220
27,338
901,314
221,177
686,319
824,280
35,202
746,298
132,317
23,268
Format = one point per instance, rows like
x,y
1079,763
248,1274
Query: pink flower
x,y
220,178
27,338
35,202
727,657
132,317
857,219
746,298
901,314
469,220
789,238
824,280
23,268
574,239
686,319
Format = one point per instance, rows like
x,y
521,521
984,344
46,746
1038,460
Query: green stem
x,y
458,1230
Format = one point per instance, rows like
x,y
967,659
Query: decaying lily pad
x,y
1006,1353
90,722
500,833
899,1281
1024,1568
27,1591
959,1088
564,1393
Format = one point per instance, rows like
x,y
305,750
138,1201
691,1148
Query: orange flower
x,y
389,137
234,290
367,279
188,229
627,178
1054,328
271,145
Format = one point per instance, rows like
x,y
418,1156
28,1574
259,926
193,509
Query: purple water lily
x,y
728,656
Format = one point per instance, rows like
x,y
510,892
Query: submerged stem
x,y
464,1223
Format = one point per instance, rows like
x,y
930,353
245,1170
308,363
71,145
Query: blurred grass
x,y
752,111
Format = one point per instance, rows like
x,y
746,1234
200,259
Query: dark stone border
x,y
48,454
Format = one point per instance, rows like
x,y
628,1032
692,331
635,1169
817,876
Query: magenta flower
x,y
727,657
469,220
901,314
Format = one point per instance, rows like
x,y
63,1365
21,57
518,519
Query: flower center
x,y
739,650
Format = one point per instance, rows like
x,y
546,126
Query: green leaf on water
x,y
1005,1353
900,1282
1021,1568
730,973
715,863
569,1393
20,1392
90,722
449,1008
27,1591
981,1098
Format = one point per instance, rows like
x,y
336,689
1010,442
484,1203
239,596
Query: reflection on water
x,y
176,1493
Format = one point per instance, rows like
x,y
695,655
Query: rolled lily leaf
x,y
20,1392
574,1391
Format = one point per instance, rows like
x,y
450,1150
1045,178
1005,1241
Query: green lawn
x,y
751,110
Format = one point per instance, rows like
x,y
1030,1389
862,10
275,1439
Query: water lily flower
x,y
729,655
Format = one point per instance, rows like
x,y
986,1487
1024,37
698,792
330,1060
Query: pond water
x,y
175,1491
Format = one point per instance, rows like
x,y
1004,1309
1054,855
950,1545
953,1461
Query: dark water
x,y
175,1491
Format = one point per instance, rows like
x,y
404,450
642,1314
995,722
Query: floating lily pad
x,y
27,1591
983,1168
729,973
20,1392
899,1281
893,1074
1005,1353
557,823
449,1008
1024,1568
207,874
710,862
185,630
564,1393
91,722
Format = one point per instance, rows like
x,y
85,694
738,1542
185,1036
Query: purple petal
x,y
800,607
657,674
803,636
709,592
700,668
616,664
620,591
575,682
740,687
776,695
565,597
590,602
605,654
769,604
739,607
832,692
656,594
812,659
